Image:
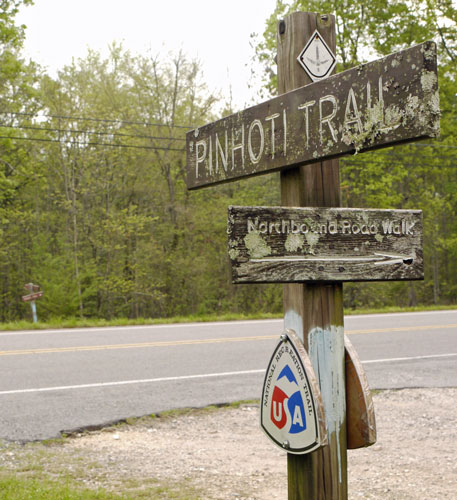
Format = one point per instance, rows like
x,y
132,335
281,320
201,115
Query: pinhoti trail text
x,y
389,101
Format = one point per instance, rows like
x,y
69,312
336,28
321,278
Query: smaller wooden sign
x,y
32,296
287,245
360,416
31,287
291,408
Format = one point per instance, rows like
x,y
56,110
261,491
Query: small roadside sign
x,y
31,287
32,296
292,413
35,293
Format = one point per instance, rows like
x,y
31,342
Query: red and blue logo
x,y
287,408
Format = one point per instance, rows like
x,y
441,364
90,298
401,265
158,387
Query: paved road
x,y
52,381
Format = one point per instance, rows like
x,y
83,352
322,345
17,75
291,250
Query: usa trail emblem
x,y
291,412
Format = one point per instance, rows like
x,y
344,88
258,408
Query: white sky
x,y
217,32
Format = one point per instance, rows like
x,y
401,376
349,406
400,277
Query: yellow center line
x,y
206,341
136,346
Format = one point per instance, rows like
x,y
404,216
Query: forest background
x,y
93,202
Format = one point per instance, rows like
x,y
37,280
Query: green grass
x,y
15,487
88,323
395,309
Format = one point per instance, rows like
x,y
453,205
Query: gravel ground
x,y
223,454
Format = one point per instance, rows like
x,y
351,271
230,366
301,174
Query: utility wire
x,y
82,143
387,164
147,124
104,120
416,145
121,134
347,160
122,122
396,158
112,134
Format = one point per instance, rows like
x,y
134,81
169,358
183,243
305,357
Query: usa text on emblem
x,y
292,412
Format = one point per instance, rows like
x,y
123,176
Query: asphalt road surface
x,y
63,380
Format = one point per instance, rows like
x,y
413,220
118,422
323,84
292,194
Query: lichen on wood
x,y
279,244
392,100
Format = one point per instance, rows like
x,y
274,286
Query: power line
x,y
82,143
354,161
398,149
148,124
393,163
390,159
112,134
346,160
104,120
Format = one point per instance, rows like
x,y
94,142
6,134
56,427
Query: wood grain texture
x,y
323,321
278,244
361,422
378,104
309,309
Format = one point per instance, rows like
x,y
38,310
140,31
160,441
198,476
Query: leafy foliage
x,y
108,228
420,175
93,202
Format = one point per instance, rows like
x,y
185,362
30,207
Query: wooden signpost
x,y
312,251
34,294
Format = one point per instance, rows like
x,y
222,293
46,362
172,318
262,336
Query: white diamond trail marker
x,y
316,58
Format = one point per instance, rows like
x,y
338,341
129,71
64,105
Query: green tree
x,y
117,184
419,175
18,94
367,29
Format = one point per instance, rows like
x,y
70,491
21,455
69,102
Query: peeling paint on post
x,y
313,310
325,345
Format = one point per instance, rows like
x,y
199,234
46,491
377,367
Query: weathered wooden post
x,y
309,243
315,311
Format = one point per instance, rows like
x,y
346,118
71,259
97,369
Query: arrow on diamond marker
x,y
317,62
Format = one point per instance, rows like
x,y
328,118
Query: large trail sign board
x,y
286,245
389,101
